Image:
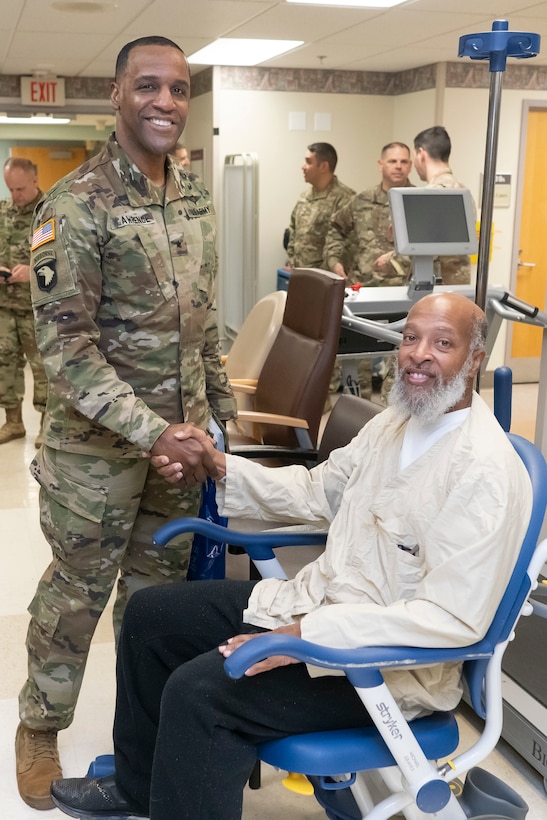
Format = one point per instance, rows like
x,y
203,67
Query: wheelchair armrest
x,y
362,665
259,546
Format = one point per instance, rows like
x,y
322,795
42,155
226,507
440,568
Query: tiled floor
x,y
25,555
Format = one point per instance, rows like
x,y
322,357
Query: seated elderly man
x,y
426,508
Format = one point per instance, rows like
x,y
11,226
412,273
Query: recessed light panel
x,y
231,51
362,4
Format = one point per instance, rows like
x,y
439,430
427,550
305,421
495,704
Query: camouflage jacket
x,y
452,270
122,286
310,222
369,215
15,250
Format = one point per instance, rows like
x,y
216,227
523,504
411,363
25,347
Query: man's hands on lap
x,y
269,663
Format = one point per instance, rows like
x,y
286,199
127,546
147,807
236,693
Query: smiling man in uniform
x,y
122,274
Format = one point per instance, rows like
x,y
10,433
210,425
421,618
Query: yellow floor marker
x,y
297,783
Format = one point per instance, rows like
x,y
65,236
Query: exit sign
x,y
43,91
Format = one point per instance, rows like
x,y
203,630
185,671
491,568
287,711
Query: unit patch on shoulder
x,y
44,233
45,269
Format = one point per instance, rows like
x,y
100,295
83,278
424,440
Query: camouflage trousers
x,y
364,379
17,342
99,516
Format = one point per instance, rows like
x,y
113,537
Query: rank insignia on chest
x,y
43,233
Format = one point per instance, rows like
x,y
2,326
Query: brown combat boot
x,y
37,763
14,427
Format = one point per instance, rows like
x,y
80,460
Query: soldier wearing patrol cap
x,y
17,341
123,268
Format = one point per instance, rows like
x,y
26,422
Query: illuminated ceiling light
x,y
37,120
362,4
232,51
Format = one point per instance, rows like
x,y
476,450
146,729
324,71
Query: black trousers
x,y
185,734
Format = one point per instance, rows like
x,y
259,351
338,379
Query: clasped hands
x,y
186,454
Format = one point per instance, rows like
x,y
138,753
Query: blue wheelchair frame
x,y
403,753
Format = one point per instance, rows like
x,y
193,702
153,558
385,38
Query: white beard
x,y
428,405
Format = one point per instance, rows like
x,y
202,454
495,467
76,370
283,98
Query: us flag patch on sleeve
x,y
44,233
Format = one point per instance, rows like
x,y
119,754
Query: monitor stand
x,y
422,279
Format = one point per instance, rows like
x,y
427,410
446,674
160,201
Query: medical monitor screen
x,y
433,221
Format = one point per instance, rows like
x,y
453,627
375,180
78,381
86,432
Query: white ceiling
x,y
83,38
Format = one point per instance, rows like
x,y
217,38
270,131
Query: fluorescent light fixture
x,y
233,51
362,4
33,120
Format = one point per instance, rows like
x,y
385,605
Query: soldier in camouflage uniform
x,y
368,215
123,268
17,342
310,220
431,154
311,214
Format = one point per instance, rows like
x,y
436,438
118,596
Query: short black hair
x,y
435,141
152,40
324,152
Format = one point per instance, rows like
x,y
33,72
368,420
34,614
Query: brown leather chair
x,y
290,393
347,417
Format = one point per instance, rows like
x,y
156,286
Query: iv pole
x,y
495,46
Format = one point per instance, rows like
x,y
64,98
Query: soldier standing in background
x,y
368,215
310,220
311,215
431,154
123,276
17,341
180,154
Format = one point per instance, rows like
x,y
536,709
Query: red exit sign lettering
x,y
43,91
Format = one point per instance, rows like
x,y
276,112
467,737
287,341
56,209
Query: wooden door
x,y
53,162
530,274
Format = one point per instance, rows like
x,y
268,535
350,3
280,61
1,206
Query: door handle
x,y
526,264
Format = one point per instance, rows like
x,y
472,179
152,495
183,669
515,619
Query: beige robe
x,y
463,506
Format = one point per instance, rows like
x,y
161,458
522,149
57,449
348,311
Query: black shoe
x,y
92,799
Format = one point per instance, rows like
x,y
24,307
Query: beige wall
x,y
412,113
255,121
198,133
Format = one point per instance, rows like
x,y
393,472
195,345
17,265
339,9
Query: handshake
x,y
186,454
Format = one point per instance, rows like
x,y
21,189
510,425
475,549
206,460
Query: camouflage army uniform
x,y
453,270
310,222
17,339
368,214
123,293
